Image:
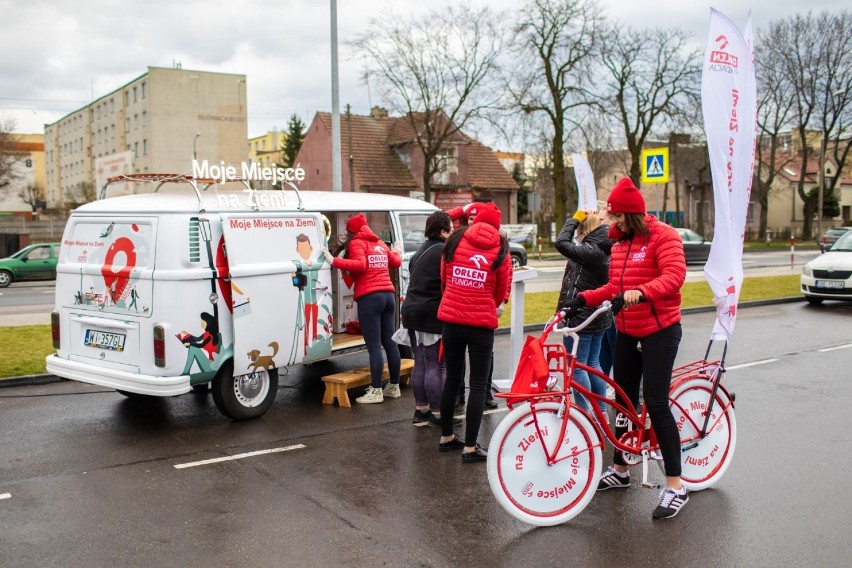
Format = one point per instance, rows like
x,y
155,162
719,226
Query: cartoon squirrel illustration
x,y
259,361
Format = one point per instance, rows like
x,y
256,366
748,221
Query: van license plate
x,y
829,283
104,340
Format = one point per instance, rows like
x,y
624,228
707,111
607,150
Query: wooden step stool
x,y
337,384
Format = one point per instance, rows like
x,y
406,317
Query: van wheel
x,y
245,396
201,388
5,278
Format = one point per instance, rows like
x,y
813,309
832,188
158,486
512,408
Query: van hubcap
x,y
251,389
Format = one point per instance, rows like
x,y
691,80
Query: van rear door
x,y
281,289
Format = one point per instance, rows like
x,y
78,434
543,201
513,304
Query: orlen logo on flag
x,y
723,57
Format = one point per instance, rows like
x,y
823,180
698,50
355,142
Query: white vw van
x,y
161,292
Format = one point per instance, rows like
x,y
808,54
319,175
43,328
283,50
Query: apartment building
x,y
156,123
26,190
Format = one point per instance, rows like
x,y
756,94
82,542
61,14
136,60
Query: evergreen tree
x,y
295,135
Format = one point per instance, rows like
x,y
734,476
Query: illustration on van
x,y
258,361
118,251
312,302
203,349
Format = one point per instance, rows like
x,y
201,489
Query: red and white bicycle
x,y
545,458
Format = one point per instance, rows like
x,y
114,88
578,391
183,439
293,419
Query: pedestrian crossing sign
x,y
655,165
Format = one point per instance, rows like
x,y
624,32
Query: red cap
x,y
486,213
625,198
354,224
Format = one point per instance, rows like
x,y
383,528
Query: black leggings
x,y
651,367
478,343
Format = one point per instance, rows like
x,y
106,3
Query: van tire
x,y
5,278
129,394
246,396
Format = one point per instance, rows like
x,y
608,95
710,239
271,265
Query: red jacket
x,y
656,266
368,260
472,291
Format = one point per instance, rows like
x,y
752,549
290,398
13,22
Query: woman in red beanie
x,y
368,260
647,263
475,275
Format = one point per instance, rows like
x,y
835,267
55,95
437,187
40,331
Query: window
x,y
136,149
40,253
144,118
143,89
145,146
134,95
135,121
126,98
127,124
446,166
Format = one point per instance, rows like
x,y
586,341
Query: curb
x,y
532,327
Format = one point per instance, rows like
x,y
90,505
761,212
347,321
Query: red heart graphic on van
x,y
116,277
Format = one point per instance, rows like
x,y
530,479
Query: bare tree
x,y
10,154
435,71
815,54
774,112
555,44
32,195
652,81
80,194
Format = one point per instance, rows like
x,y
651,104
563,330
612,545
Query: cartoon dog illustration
x,y
259,361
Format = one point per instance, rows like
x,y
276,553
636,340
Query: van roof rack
x,y
162,179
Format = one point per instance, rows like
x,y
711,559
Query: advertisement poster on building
x,y
110,166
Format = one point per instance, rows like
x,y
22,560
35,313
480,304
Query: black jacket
x,y
420,308
587,269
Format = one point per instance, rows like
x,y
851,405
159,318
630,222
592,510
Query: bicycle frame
x,y
643,439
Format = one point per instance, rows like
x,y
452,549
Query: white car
x,y
829,276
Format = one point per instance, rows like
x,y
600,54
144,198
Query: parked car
x,y
831,235
696,247
829,276
35,262
519,254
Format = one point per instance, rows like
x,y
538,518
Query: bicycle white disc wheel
x,y
524,484
703,464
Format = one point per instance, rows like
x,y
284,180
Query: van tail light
x,y
159,346
54,329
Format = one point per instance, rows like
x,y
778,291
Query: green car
x,y
35,262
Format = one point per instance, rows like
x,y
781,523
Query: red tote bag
x,y
532,373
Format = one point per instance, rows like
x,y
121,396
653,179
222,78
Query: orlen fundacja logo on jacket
x,y
721,60
471,277
379,259
639,255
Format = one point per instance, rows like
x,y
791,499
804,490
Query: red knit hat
x,y
625,198
485,213
354,224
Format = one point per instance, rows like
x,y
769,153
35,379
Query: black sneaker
x,y
435,421
611,479
455,444
491,402
671,502
477,455
421,416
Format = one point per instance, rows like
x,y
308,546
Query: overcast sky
x,y
60,54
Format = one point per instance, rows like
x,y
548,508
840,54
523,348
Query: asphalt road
x,y
90,478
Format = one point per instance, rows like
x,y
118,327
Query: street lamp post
x,y
821,181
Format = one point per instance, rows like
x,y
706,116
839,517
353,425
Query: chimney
x,y
378,112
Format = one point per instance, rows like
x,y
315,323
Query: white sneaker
x,y
372,396
391,391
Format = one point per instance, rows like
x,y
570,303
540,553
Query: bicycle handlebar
x,y
606,306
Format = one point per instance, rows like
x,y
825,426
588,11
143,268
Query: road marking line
x,y
752,364
239,456
835,348
5,495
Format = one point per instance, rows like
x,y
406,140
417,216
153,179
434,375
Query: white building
x,y
156,123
